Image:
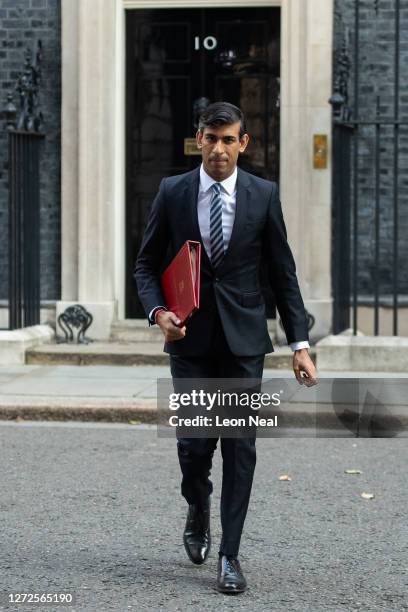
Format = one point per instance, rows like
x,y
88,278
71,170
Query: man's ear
x,y
243,143
199,139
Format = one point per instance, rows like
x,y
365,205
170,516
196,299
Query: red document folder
x,y
181,281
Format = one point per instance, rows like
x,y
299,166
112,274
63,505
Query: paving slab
x,y
128,393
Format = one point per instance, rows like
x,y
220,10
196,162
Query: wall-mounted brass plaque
x,y
320,151
190,147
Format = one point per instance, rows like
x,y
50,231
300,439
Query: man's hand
x,y
168,322
304,368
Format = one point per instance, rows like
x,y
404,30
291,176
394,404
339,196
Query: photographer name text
x,y
217,421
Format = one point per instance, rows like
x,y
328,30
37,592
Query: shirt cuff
x,y
152,320
295,346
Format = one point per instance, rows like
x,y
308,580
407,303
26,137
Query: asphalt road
x,y
95,510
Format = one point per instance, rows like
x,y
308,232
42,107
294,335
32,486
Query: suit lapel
x,y
191,212
241,211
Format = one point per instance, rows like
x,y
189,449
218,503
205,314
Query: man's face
x,y
220,147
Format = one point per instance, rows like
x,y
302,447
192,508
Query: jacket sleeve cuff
x,y
152,314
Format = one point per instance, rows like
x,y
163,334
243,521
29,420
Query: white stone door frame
x,y
93,149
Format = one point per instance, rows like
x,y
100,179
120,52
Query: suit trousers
x,y
238,454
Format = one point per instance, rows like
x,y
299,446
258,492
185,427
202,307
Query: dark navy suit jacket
x,y
233,288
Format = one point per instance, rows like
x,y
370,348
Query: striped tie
x,y
216,236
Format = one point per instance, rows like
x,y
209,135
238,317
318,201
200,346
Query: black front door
x,y
177,61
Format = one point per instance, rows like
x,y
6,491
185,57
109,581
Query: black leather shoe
x,y
197,536
230,578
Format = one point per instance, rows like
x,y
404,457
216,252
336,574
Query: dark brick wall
x,y
22,23
376,79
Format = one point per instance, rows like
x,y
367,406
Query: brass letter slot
x,y
319,151
190,147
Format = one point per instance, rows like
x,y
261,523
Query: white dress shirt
x,y
228,199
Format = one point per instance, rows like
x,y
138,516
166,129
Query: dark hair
x,y
222,113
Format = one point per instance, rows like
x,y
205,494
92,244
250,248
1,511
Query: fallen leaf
x,y
285,477
135,422
352,471
367,495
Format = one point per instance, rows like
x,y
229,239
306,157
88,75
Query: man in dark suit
x,y
238,219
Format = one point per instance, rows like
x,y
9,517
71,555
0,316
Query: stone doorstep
x,y
362,353
129,353
137,330
139,326
98,353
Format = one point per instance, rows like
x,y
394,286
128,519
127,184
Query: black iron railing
x,y
24,144
353,127
24,229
